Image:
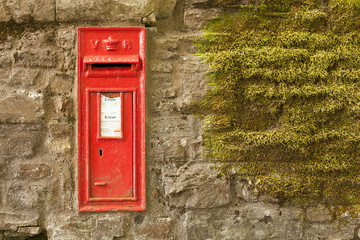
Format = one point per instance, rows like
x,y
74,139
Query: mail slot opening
x,y
117,65
111,66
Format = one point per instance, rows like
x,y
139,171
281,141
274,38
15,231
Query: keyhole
x,y
100,152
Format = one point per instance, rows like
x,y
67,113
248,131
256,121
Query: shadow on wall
x,y
11,235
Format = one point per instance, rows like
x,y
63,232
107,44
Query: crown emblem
x,y
110,44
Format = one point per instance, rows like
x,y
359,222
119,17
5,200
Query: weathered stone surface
x,y
36,40
30,231
5,76
60,145
170,93
84,227
81,223
5,44
259,211
159,78
62,109
44,10
15,235
172,127
67,62
4,16
196,3
60,129
197,225
107,229
11,221
166,106
164,8
20,196
3,171
33,171
291,212
66,37
18,141
196,18
318,214
68,10
64,234
65,40
24,10
166,49
329,232
20,109
357,233
40,58
67,189
23,77
164,67
149,20
192,90
246,192
234,224
1,187
198,186
5,61
154,228
60,84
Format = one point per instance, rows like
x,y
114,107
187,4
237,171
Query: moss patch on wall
x,y
283,104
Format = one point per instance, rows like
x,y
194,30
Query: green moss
x,y
283,105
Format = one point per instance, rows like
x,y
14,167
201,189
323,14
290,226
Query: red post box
x,y
111,118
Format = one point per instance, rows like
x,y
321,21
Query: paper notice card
x,y
110,120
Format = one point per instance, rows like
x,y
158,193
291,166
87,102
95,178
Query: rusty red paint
x,y
111,168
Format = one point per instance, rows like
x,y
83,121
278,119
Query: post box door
x,y
111,146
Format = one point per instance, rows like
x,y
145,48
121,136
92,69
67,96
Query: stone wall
x,y
186,199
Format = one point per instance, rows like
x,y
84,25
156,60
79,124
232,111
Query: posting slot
x,y
97,66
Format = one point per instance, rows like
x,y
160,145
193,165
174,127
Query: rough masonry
x,y
186,199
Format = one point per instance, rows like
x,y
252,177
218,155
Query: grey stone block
x,y
24,10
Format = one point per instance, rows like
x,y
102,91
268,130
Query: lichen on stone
x,y
283,99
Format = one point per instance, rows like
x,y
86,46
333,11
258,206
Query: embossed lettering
x,y
94,43
127,44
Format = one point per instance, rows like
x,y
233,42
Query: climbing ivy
x,y
283,100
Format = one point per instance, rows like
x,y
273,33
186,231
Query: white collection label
x,y
110,120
